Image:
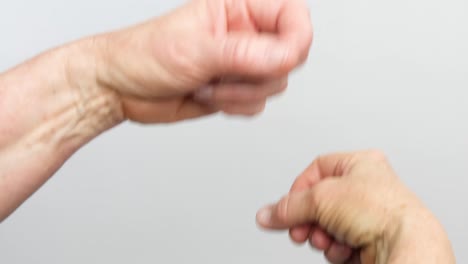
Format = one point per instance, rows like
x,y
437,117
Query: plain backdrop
x,y
391,75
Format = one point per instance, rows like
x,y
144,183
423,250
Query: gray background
x,y
382,74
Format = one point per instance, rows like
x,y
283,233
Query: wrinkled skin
x,y
368,214
206,56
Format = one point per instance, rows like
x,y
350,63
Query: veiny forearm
x,y
50,106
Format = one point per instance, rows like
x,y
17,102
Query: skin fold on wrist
x,y
53,112
61,96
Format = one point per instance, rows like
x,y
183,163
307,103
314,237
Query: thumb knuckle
x,y
283,213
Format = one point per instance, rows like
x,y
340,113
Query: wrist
x,y
50,106
418,237
97,108
71,107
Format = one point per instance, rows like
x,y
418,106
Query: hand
x,y
204,57
368,214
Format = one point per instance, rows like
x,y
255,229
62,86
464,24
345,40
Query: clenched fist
x,y
354,207
204,57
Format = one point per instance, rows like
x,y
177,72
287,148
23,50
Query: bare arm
x,y
49,108
159,71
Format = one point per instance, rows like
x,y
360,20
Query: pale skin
x,y
361,203
206,57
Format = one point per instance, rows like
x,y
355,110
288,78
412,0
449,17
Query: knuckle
x,y
376,155
282,211
291,60
314,200
236,53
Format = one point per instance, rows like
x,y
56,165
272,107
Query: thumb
x,y
299,207
255,55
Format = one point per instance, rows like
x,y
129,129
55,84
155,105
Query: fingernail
x,y
204,94
264,216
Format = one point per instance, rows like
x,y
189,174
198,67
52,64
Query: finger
x,y
148,112
241,93
298,208
319,239
290,19
338,253
295,28
300,234
308,178
249,109
254,56
247,93
322,167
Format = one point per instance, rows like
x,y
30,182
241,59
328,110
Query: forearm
x,y
50,106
